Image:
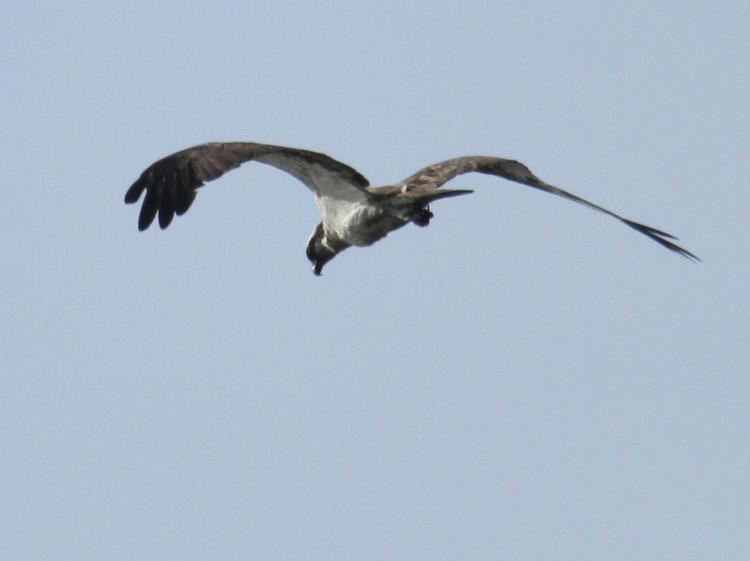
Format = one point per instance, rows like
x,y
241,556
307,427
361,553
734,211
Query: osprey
x,y
353,212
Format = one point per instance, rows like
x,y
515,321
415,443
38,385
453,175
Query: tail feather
x,y
425,198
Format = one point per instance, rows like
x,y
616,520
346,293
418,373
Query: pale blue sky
x,y
524,379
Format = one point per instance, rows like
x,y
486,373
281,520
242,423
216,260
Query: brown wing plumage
x,y
171,182
434,176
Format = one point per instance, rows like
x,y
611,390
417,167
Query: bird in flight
x,y
354,214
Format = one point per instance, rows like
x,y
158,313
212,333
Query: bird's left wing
x,y
171,182
434,176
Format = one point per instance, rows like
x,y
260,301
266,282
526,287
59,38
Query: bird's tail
x,y
424,198
414,206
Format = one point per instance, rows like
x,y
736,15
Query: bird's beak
x,y
318,269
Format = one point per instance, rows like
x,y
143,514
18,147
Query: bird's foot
x,y
422,217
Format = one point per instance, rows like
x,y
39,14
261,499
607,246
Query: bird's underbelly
x,y
358,224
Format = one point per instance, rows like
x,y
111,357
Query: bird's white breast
x,y
353,222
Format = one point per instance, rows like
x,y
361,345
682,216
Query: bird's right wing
x,y
171,182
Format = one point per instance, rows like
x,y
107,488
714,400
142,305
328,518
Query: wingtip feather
x,y
663,238
134,192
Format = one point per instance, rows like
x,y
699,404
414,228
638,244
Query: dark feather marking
x,y
134,193
150,206
659,237
168,200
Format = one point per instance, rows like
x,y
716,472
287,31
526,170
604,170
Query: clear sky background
x,y
524,379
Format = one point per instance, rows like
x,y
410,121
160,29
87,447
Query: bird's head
x,y
318,251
